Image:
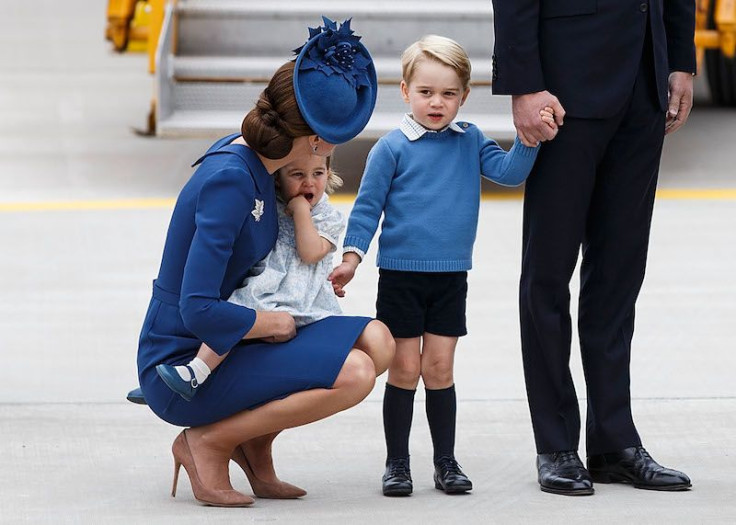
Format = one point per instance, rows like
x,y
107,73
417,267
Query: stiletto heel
x,y
215,497
265,489
177,465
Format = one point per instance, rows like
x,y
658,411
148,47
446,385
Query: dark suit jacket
x,y
587,52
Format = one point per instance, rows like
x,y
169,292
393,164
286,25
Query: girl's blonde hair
x,y
334,181
440,49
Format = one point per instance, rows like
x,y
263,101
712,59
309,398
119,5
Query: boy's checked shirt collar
x,y
414,130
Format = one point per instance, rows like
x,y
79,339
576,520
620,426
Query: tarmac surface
x,y
84,205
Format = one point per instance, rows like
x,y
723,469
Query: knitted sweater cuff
x,y
524,151
356,242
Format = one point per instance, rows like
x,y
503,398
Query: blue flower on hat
x,y
335,82
337,51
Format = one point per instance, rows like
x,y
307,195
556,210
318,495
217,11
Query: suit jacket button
x,y
643,7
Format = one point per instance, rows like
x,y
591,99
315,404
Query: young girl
x,y
292,278
425,179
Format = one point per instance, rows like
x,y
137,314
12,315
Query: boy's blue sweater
x,y
429,192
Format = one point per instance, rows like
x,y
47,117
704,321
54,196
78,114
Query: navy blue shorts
x,y
412,303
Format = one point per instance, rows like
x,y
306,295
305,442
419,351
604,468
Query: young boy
x,y
424,178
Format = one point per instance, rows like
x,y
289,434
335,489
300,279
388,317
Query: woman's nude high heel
x,y
206,496
265,489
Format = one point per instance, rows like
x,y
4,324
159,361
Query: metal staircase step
x,y
217,56
190,123
241,96
301,8
260,68
242,27
210,108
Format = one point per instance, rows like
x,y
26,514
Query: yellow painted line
x,y
504,196
115,204
697,194
663,194
140,204
348,198
342,198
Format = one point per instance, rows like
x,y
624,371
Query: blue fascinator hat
x,y
335,82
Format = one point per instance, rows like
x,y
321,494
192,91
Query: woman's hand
x,y
272,327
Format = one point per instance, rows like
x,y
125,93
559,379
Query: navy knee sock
x,y
398,410
441,412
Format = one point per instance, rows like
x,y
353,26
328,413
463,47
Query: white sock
x,y
201,371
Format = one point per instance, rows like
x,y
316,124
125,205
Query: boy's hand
x,y
298,203
529,127
343,274
548,115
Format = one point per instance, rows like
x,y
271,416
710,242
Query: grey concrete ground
x,y
75,279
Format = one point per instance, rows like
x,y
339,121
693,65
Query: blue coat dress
x,y
225,221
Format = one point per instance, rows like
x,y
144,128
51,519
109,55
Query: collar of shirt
x,y
414,130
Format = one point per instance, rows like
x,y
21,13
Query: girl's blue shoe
x,y
173,380
136,396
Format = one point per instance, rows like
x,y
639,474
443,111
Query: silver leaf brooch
x,y
258,210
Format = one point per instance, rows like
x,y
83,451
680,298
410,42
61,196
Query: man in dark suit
x,y
618,73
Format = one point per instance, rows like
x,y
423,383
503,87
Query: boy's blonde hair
x,y
440,49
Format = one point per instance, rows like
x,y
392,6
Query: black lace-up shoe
x,y
564,473
634,465
397,478
449,478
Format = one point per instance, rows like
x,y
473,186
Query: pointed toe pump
x,y
206,496
265,489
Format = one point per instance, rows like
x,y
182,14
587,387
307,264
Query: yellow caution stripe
x,y
697,194
343,198
114,204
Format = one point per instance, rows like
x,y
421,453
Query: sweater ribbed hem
x,y
404,265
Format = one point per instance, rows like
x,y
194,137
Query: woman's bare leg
x,y
377,342
212,445
255,458
258,452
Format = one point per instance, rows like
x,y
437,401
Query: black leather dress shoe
x,y
634,465
397,478
449,478
564,473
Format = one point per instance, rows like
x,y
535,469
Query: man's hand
x,y
272,327
526,109
681,100
344,273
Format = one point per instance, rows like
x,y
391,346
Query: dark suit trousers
x,y
592,186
